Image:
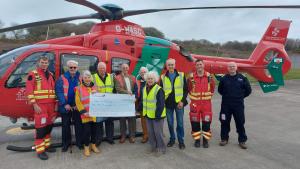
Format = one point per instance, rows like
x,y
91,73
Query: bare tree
x,y
18,34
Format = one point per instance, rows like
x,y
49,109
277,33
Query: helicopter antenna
x,y
47,33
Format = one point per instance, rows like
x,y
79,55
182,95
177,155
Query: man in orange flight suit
x,y
41,95
201,89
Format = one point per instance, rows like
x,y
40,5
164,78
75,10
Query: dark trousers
x,y
131,126
196,126
89,133
237,111
109,130
66,128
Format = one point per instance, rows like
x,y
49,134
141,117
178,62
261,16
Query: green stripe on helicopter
x,y
154,55
275,70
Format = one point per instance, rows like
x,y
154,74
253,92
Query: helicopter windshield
x,y
8,58
185,53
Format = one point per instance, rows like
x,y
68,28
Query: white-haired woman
x,y
82,99
153,103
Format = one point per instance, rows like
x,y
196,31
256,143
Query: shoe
x,y
144,140
131,140
170,143
43,156
223,142
181,146
197,143
86,151
205,143
64,148
122,140
94,148
50,150
111,142
243,145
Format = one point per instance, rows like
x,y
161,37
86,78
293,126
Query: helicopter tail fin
x,y
269,58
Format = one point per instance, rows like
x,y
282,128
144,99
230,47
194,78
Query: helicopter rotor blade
x,y
50,21
145,11
102,11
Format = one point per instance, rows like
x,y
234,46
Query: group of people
x,y
157,98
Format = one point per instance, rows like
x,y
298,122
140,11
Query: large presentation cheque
x,y
112,105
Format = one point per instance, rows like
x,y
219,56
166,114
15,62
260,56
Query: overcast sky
x,y
214,25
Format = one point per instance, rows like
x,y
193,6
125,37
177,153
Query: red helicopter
x,y
118,41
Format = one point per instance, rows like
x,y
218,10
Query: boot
x,y
205,143
43,156
223,142
243,145
86,151
197,143
94,148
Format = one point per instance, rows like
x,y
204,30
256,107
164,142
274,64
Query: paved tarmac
x,y
272,126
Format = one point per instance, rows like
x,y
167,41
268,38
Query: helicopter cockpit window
x,y
84,62
185,53
116,64
18,77
8,58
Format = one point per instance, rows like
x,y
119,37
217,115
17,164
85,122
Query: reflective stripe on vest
x,y
104,88
84,93
38,93
202,95
178,86
65,86
84,96
149,102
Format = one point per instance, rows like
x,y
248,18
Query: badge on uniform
x,y
43,120
207,118
240,79
223,117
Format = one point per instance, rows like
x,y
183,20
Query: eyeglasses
x,y
72,67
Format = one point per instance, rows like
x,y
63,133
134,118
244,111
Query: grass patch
x,y
292,74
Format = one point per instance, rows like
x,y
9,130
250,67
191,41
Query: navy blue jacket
x,y
234,88
59,91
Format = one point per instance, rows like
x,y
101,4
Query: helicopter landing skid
x,y
57,145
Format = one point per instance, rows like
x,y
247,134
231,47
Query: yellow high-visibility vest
x,y
178,86
149,102
106,87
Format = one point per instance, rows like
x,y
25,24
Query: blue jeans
x,y
179,128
